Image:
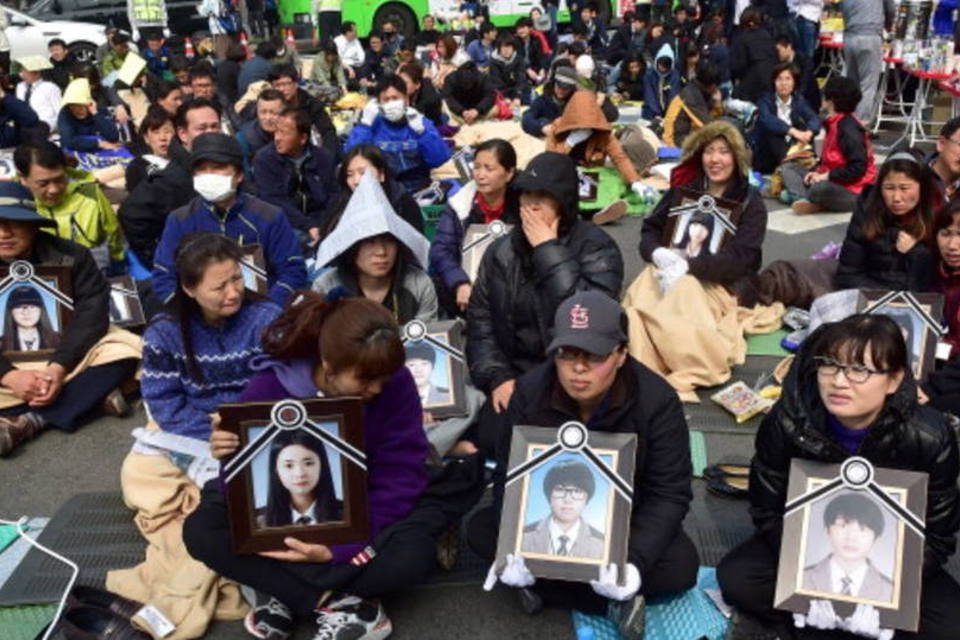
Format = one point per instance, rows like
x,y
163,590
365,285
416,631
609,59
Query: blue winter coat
x,y
85,135
410,155
15,115
660,88
277,183
249,221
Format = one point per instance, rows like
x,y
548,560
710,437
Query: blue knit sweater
x,y
177,402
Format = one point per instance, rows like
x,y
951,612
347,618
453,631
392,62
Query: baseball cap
x,y
588,320
216,147
16,203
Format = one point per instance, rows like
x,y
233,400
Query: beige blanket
x,y
510,130
694,334
116,344
184,590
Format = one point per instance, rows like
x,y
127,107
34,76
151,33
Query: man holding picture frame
x,y
591,378
848,393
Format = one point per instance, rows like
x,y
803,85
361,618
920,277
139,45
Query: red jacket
x,y
847,153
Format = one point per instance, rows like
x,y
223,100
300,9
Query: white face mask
x,y
214,187
394,110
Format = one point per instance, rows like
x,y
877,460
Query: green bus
x,y
407,15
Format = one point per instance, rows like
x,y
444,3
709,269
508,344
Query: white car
x,y
29,36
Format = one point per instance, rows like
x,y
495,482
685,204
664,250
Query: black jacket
x,y
639,402
305,193
623,43
144,213
428,102
877,264
738,258
468,88
518,289
91,299
509,76
905,436
753,56
531,50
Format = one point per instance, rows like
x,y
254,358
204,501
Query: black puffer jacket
x,y
639,402
753,56
876,264
519,287
906,436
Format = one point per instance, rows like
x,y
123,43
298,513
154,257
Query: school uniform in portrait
x,y
545,536
436,396
867,582
308,518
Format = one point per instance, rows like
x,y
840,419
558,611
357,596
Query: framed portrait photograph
x,y
568,498
434,356
300,472
37,307
254,268
853,534
699,223
589,184
126,310
919,317
476,240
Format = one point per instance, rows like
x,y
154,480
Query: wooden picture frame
x,y
259,499
50,285
889,503
589,185
476,240
541,456
434,355
126,309
718,216
919,316
254,268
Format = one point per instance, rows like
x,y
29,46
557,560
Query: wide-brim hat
x,y
16,203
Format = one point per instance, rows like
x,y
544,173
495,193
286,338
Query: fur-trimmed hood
x,y
694,144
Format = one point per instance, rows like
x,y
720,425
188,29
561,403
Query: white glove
x,y
663,257
669,275
865,621
515,574
608,587
638,188
415,120
370,112
820,616
577,136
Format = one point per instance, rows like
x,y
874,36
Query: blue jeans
x,y
808,32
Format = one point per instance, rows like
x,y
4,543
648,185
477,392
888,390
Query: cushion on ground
x,y
689,615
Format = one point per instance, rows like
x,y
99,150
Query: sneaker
x,y
116,405
611,213
270,621
16,431
744,627
351,618
630,617
805,207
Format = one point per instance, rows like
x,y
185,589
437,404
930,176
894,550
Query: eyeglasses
x,y
855,373
952,141
570,493
572,354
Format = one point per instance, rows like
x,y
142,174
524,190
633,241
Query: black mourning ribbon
x,y
705,204
910,300
22,271
416,331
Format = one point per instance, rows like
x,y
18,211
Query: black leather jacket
x,y
905,436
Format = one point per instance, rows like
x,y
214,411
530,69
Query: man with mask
x,y
216,161
295,175
144,212
409,141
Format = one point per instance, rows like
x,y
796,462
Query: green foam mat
x,y
767,344
25,623
8,533
683,617
698,452
611,188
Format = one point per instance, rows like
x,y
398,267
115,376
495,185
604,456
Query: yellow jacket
x,y
85,215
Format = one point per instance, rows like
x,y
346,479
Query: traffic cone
x,y
291,41
245,43
188,47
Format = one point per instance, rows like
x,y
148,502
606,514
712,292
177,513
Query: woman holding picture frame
x,y
334,347
849,392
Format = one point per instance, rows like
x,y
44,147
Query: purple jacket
x,y
394,439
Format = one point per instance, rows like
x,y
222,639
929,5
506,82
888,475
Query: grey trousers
x,y
829,195
863,58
